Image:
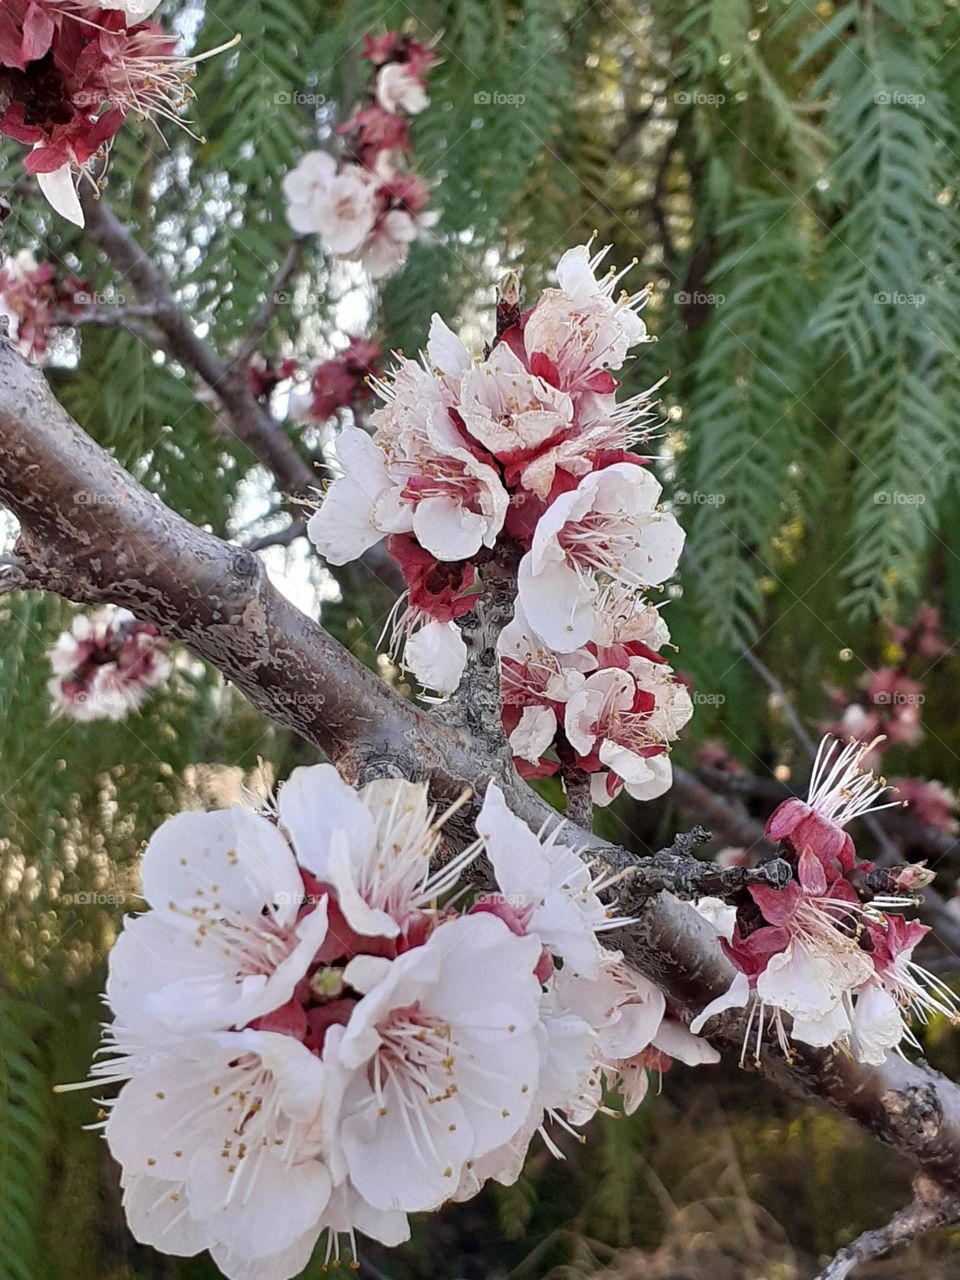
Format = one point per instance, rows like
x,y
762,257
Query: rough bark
x,y
91,533
929,1208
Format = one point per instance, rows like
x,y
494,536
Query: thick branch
x,y
250,421
92,533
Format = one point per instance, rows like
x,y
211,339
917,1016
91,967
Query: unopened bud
x,y
912,877
508,302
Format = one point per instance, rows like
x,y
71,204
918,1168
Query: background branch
x,y
930,1208
251,423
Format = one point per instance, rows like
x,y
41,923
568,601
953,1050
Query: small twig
x,y
13,576
107,315
676,870
783,701
275,297
279,538
931,1207
249,420
728,821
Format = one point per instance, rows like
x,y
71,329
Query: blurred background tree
x,y
785,175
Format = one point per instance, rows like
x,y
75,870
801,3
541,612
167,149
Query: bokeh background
x,y
785,174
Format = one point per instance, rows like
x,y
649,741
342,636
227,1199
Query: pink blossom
x,y
416,476
606,531
72,76
621,721
106,665
929,802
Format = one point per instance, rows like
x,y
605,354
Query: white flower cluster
x,y
529,446
368,206
313,1038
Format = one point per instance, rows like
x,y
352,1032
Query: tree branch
x,y
275,297
120,544
576,784
250,421
930,1208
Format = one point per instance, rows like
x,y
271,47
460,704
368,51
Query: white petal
x,y
447,529
362,918
343,528
660,782
735,997
559,605
878,1024
60,191
315,803
232,857
157,1214
678,1041
823,1030
445,350
437,656
721,915
534,733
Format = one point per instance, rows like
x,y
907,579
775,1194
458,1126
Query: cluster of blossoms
x,y
528,453
341,382
32,299
105,666
70,72
886,706
370,206
829,950
315,1036
930,802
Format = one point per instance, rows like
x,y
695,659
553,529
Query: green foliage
x,y
25,1106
